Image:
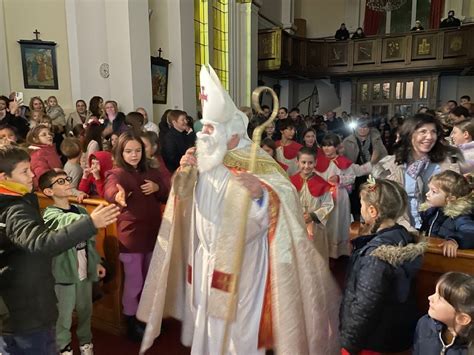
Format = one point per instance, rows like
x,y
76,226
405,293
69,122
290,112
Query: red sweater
x,y
42,159
138,222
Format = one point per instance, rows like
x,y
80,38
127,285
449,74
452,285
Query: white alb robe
x,y
209,331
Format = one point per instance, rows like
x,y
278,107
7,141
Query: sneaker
x,y
66,351
86,349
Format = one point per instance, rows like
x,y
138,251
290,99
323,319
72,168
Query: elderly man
x,y
286,299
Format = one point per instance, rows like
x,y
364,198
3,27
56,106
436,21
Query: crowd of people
x,y
401,178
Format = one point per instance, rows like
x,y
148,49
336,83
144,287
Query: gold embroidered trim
x,y
240,159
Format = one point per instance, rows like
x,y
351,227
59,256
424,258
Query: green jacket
x,y
65,264
27,247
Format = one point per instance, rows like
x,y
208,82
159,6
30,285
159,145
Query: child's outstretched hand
x,y
450,248
149,187
101,271
120,196
102,216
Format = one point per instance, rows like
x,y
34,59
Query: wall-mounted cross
x,y
37,33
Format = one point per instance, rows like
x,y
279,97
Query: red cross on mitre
x,y
202,96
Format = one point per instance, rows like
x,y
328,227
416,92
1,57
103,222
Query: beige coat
x,y
351,148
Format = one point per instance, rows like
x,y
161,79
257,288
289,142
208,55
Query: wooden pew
x,y
434,265
107,314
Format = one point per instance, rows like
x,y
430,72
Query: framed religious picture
x,y
424,46
364,52
159,79
38,59
393,49
337,54
454,45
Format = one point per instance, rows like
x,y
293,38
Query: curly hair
x,y
403,149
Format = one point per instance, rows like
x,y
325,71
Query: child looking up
x,y
27,247
450,214
42,151
287,148
447,328
378,311
315,197
75,269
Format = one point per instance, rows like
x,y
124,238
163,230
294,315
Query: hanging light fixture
x,y
385,5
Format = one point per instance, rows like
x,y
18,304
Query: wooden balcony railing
x,y
284,55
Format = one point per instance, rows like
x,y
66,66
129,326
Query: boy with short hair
x,y
71,149
287,148
316,199
27,247
74,270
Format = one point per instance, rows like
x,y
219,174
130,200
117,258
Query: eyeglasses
x,y
62,181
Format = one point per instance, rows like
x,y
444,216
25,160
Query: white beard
x,y
211,148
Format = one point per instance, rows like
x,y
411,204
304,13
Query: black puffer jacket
x,y
427,339
378,310
27,247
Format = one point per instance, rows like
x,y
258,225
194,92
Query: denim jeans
x,y
39,342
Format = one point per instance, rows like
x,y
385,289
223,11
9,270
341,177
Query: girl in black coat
x,y
448,326
378,311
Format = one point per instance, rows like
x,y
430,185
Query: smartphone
x,y
18,96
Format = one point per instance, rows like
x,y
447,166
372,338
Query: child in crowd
x,y
270,147
378,311
27,247
139,191
71,149
287,148
340,172
75,269
56,113
462,135
42,151
309,139
448,326
93,177
450,214
7,135
151,141
35,118
315,197
92,140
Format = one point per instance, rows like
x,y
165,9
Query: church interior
x,y
148,54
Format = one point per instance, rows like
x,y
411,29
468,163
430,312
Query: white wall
x,y
21,18
324,17
172,30
453,87
271,9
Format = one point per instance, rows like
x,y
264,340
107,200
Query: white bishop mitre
x,y
217,105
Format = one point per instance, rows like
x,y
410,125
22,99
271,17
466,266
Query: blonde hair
x,y
452,183
387,196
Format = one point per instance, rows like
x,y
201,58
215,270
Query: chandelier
x,y
385,5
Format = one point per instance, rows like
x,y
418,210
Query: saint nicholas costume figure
x,y
286,300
